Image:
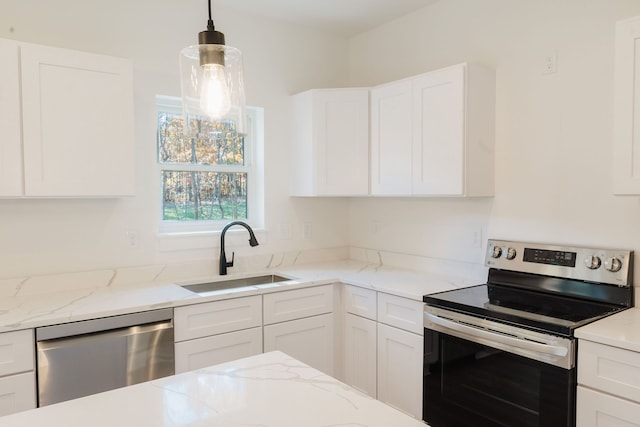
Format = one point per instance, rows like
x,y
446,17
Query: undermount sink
x,y
201,288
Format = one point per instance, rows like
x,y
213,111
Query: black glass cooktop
x,y
557,312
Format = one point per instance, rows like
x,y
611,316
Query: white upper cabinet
x,y
76,115
330,142
391,138
433,134
626,147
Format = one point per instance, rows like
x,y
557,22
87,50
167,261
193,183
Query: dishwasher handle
x,y
66,330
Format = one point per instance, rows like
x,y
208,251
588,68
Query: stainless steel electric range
x,y
503,353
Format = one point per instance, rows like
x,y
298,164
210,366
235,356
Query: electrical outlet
x,y
132,238
550,63
476,238
307,230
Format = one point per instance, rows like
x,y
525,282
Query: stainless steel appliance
x,y
503,354
82,358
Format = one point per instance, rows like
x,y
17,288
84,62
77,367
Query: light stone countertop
x,y
619,330
71,300
271,389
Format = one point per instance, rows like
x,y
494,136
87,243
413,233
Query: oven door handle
x,y
497,337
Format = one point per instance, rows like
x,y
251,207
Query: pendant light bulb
x,y
214,94
212,84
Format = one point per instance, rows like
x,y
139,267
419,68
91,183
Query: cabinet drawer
x,y
360,301
401,312
310,340
207,351
595,409
17,393
296,304
610,369
218,317
16,352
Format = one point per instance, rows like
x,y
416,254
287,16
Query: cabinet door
x,y
595,409
309,340
17,393
203,352
400,369
11,140
391,138
331,142
626,146
360,353
77,111
439,132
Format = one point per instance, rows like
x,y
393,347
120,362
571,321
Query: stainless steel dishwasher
x,y
82,358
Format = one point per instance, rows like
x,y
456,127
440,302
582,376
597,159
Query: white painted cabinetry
x,y
391,138
383,347
217,332
433,134
331,142
626,146
360,360
608,386
400,353
67,120
17,375
300,323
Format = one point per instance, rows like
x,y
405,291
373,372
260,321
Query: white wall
x,y
554,132
50,236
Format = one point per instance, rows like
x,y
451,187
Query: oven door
x,y
472,380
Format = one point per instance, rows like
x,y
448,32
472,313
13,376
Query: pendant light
x,y
211,80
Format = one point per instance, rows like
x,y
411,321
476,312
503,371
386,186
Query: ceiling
x,y
343,17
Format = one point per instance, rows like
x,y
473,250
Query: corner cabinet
x,y
331,143
67,118
626,137
433,134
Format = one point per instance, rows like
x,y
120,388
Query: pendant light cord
x,y
210,25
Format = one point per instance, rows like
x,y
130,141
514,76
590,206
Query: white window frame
x,y
254,167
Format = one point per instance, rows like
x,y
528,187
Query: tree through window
x,y
205,170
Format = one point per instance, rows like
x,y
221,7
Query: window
x,y
209,174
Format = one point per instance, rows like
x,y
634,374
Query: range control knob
x,y
593,262
497,252
511,253
613,264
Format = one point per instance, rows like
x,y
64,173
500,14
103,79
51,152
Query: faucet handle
x,y
233,257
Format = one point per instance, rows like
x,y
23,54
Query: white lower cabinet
x,y
217,332
360,359
309,340
203,352
18,379
596,409
382,348
608,386
400,369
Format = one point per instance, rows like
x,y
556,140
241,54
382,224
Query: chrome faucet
x,y
223,257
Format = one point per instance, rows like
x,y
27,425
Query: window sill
x,y
194,240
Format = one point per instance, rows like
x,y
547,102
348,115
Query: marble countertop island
x,y
269,390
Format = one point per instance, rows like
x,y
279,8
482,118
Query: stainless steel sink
x,y
201,288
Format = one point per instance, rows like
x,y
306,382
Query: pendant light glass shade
x,y
212,83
